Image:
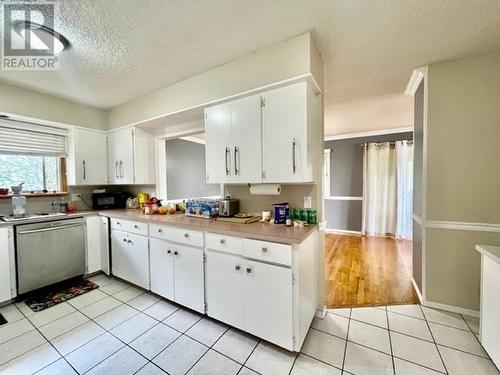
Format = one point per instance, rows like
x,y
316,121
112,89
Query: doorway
x,y
368,213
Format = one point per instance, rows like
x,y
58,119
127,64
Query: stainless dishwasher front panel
x,y
49,252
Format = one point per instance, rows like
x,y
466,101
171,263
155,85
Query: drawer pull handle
x,y
186,235
237,267
118,223
136,226
159,230
124,240
129,241
176,253
222,241
249,270
264,249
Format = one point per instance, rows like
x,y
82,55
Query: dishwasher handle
x,y
51,228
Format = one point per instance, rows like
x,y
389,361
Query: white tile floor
x,y
120,329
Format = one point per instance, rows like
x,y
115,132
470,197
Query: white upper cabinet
x,y
233,141
262,138
130,157
287,155
87,157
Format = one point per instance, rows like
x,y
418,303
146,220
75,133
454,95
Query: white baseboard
x,y
417,290
451,308
342,231
321,313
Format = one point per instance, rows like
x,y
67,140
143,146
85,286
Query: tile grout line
x,y
320,360
346,340
435,343
390,341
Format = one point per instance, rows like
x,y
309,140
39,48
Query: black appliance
x,y
108,200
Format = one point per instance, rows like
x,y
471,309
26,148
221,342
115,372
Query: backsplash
x,y
43,204
255,204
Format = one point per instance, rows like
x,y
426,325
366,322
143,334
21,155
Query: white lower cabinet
x,y
97,244
7,267
273,301
130,257
225,280
177,273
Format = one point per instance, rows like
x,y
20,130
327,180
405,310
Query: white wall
x,y
18,101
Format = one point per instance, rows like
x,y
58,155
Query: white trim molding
x,y
369,133
321,313
417,290
343,198
455,309
416,77
459,225
418,219
342,231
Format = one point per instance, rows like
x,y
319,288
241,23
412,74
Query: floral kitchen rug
x,y
53,296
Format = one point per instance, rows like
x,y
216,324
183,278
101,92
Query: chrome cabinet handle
x,y
176,252
136,226
84,170
294,147
124,240
116,169
121,168
186,235
264,249
249,270
159,230
227,165
129,241
169,251
237,267
222,241
236,156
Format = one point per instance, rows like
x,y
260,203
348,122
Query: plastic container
x,y
19,205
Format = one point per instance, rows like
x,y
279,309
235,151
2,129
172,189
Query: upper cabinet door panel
x,y
89,159
218,143
284,124
246,140
121,160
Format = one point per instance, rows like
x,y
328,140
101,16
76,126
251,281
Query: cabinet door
x,y
162,268
93,244
104,235
284,124
144,158
130,258
268,303
189,277
225,283
7,283
218,143
246,144
90,157
121,151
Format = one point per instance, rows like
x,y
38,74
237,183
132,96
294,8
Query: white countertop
x,y
490,251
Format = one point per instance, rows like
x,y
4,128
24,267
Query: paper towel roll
x,y
265,189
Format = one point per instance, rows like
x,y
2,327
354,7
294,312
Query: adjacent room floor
x,y
367,271
119,329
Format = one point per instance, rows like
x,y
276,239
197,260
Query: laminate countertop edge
x,y
492,252
255,231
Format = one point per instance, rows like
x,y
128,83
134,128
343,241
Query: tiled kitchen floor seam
x,y
346,340
246,360
49,342
390,341
432,335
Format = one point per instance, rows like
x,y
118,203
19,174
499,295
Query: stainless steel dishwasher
x,y
49,252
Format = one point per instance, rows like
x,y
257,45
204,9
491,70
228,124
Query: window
x,y
37,172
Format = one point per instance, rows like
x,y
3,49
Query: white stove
x,y
30,216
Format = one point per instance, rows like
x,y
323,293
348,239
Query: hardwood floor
x,y
367,271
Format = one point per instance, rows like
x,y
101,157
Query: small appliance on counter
x,y
109,200
228,207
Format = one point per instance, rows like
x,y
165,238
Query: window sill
x,y
36,195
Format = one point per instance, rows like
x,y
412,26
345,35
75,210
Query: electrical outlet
x,y
307,202
75,197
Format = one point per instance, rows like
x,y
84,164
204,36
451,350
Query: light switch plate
x,y
307,202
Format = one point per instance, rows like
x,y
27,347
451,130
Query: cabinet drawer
x,y
227,244
268,251
130,226
182,236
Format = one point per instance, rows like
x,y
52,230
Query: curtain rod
x,y
410,141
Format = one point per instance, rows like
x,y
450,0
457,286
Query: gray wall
x,y
186,171
346,179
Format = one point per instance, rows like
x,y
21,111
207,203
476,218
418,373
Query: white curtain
x,y
388,189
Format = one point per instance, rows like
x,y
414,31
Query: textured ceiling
x,y
122,49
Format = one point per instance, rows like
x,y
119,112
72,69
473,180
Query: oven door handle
x,y
51,228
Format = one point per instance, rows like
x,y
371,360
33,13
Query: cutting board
x,y
238,220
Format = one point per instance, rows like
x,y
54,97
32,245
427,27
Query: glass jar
x,y
304,214
312,217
